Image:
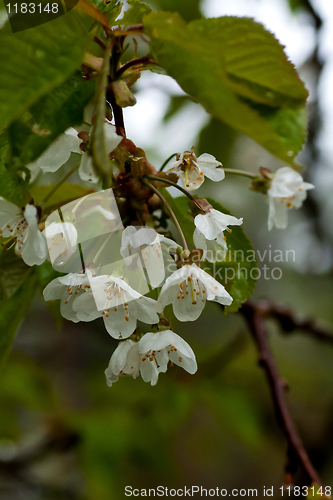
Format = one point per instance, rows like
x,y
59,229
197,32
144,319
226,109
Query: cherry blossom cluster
x,y
172,271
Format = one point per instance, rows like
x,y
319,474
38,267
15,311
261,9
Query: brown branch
x,y
135,62
289,321
117,114
296,451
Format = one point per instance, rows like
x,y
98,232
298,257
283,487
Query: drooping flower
x,y
150,356
214,222
67,143
152,250
119,305
22,225
288,190
68,288
188,288
165,345
61,241
58,152
125,361
213,250
192,170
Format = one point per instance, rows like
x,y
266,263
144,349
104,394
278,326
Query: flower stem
x,y
174,218
167,161
57,186
183,190
244,173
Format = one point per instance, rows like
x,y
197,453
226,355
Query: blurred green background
x,y
65,435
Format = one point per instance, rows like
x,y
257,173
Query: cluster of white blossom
x,y
91,294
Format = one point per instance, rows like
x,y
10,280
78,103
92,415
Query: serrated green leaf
x,y
13,311
135,13
198,64
238,271
56,111
37,60
254,60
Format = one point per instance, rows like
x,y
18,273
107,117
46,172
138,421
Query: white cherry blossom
x,y
288,190
67,143
125,361
22,225
61,240
165,345
119,305
150,356
192,170
213,250
58,152
68,288
214,222
152,249
188,288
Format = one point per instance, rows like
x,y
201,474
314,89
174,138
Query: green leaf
x,y
13,311
37,60
46,274
198,63
67,192
13,273
217,138
111,8
135,13
188,9
56,111
238,270
254,60
12,186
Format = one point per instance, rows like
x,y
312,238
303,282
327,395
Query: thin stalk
x,y
167,161
240,172
135,62
166,204
57,186
183,190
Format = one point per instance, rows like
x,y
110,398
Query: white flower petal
x,y
116,323
86,169
213,250
214,222
111,138
73,141
278,214
209,166
61,241
54,290
55,155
